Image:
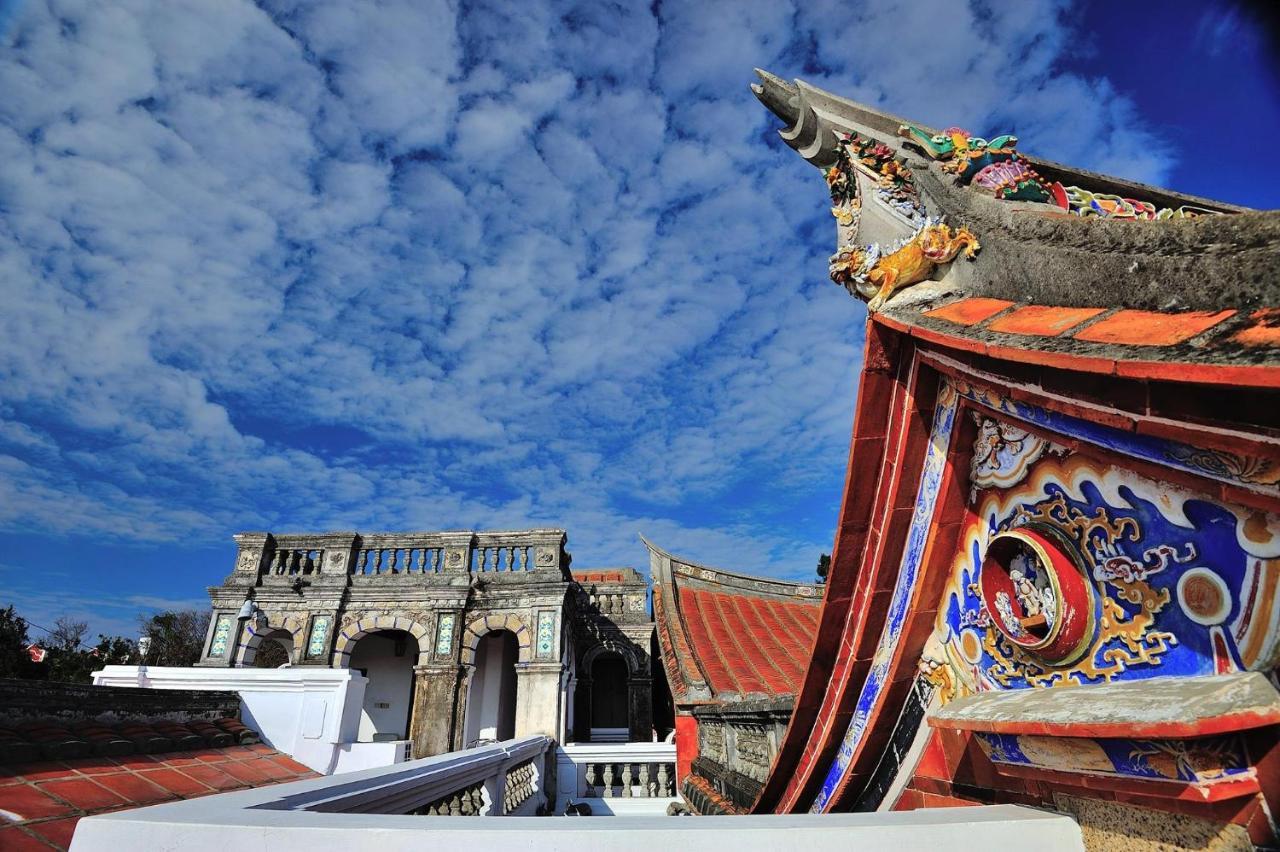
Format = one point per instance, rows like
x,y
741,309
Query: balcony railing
x,y
616,778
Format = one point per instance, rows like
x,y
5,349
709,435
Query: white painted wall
x,y
384,713
491,702
310,713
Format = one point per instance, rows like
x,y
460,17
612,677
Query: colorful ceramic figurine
x,y
997,169
863,270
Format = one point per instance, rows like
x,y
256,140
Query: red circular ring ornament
x,y
1037,594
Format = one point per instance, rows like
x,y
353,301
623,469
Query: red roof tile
x,y
729,635
1150,328
1263,329
1042,320
969,311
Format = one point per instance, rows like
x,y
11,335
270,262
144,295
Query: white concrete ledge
x,y
189,827
310,713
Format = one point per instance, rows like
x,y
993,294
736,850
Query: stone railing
x,y
595,772
327,557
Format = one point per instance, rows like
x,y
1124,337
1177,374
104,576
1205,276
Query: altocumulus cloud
x,y
400,265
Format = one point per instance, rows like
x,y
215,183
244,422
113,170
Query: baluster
x,y
377,561
277,562
645,792
626,780
484,558
590,791
436,556
422,560
362,564
663,778
511,559
455,805
608,780
395,556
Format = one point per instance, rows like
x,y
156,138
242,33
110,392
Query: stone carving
x,y
545,557
875,275
248,560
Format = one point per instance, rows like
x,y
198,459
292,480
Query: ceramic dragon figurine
x,y
875,276
994,167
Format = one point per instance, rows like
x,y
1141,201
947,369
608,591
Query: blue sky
x,y
409,265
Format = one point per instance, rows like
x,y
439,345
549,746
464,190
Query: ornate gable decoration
x,y
994,167
870,271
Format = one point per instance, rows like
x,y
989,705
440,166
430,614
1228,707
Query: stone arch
x,y
248,650
634,666
350,633
478,627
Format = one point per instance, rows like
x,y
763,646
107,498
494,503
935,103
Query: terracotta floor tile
x,y
30,802
213,776
56,831
83,793
93,765
137,761
176,782
44,771
245,770
134,788
14,839
293,765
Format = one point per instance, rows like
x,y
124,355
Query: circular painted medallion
x,y
1036,594
1204,596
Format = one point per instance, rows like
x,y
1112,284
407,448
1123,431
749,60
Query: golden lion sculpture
x,y
875,277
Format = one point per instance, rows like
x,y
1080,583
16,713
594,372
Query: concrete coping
x,y
1160,707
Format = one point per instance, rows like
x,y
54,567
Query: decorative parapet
x,y
306,558
737,744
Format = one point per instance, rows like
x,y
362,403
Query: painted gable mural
x,y
1079,572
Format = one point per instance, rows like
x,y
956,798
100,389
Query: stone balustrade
x,y
377,555
595,772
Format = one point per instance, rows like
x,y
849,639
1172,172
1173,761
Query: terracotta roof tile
x,y
969,311
749,643
1042,320
1263,329
1151,328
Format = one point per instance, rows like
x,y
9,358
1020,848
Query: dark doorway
x,y
609,699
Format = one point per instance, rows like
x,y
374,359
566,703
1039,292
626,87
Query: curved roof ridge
x,y
737,578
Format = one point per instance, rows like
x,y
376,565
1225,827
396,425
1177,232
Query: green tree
x,y
14,659
177,637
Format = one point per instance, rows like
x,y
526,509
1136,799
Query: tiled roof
x,y
728,636
1237,347
103,768
607,575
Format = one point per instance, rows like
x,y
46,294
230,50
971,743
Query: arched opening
x,y
274,651
609,699
491,702
386,658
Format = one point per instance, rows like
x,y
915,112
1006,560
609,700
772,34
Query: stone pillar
x,y
538,698
640,709
435,717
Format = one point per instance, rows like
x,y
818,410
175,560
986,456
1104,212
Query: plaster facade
x,y
434,597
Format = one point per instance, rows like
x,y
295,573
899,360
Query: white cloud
x,y
314,265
